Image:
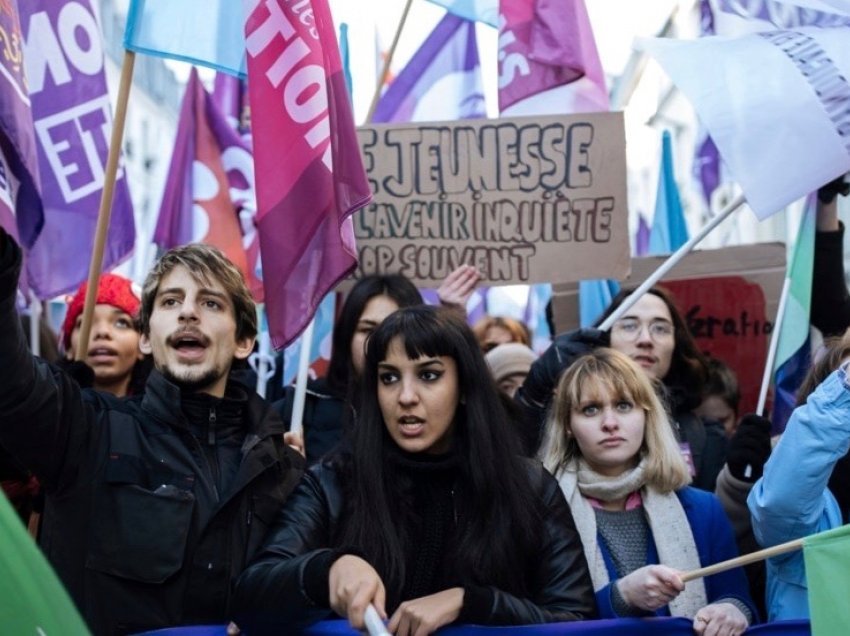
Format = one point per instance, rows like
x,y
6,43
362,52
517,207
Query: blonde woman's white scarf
x,y
668,524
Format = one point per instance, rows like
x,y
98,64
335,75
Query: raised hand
x,y
458,286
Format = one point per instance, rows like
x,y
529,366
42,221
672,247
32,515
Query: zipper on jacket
x,y
211,428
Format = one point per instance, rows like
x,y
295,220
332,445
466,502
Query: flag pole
x,y
386,68
671,262
774,344
105,210
295,423
782,548
374,625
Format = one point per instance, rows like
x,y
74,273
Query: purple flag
x,y
642,237
209,195
442,81
230,95
707,160
73,120
21,210
548,62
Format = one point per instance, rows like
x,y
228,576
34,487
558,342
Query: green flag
x,y
32,600
827,557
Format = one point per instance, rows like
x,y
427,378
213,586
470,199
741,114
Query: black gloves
x,y
564,350
749,448
827,193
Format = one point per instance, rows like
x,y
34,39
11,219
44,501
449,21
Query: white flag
x,y
777,104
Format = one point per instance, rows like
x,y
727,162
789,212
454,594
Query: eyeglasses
x,y
630,328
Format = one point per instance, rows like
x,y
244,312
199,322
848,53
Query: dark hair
x,y
498,527
723,383
205,264
340,368
688,371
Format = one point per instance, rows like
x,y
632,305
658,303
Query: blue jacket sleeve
x,y
791,500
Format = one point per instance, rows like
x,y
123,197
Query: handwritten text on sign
x,y
526,200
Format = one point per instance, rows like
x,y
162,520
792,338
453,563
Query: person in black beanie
x,y
153,504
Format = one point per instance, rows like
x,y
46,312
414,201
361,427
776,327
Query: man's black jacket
x,y
133,523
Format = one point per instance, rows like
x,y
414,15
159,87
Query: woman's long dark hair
x,y
340,368
688,371
499,516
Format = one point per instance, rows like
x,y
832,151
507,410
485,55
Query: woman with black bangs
x,y
431,516
653,333
332,400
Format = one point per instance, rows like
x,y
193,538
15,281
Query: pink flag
x,y
309,173
548,62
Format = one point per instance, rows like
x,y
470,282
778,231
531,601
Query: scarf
x,y
668,525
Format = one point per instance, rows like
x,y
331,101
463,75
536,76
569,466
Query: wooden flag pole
x,y
776,550
105,211
671,261
386,68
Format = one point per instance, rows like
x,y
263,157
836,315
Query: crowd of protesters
x,y
447,474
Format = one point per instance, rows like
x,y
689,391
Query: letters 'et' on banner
x,y
782,119
526,200
72,116
308,168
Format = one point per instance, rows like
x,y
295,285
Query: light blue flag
x,y
486,11
206,32
535,316
594,296
669,230
321,345
345,57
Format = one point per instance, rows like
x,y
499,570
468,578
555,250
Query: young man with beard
x,y
154,504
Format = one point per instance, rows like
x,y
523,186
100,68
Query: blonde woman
x,y
611,447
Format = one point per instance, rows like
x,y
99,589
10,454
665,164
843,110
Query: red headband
x,y
112,290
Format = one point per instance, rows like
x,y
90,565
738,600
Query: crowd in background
x,y
446,473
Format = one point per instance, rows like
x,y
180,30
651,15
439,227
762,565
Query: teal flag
x,y
827,557
34,603
669,230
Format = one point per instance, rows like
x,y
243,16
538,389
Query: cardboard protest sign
x,y
728,297
527,200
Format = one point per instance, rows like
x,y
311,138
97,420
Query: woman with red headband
x,y
113,347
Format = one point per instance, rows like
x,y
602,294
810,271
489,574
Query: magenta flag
x,y
209,195
21,210
548,62
309,172
72,116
